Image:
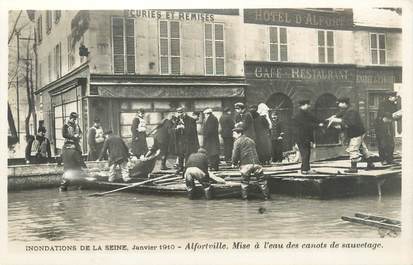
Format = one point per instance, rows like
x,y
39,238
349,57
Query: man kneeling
x,y
196,168
245,154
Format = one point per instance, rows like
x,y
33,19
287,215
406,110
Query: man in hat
x,y
186,137
384,125
118,156
38,148
304,124
242,115
350,121
196,168
139,145
211,138
95,139
72,152
245,155
227,124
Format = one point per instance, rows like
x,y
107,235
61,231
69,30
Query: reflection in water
x,y
48,214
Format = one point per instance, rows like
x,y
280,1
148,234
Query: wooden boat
x,y
375,221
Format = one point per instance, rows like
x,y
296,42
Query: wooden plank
x,y
378,218
371,223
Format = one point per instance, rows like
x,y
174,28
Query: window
x,y
39,29
58,60
70,52
170,47
49,67
378,48
57,15
214,49
325,46
48,21
123,43
278,44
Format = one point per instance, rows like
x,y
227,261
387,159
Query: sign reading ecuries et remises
x,y
171,15
340,20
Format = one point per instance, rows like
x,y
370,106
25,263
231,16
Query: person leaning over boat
x,y
118,156
38,148
139,145
72,152
304,124
211,138
227,124
245,155
196,168
350,121
95,140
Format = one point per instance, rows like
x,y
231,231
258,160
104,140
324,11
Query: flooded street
x,y
50,215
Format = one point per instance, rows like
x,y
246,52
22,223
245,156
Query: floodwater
x,y
51,215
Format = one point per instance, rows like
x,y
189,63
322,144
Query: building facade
x,y
161,59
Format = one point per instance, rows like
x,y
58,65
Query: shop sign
x,y
375,77
340,20
170,15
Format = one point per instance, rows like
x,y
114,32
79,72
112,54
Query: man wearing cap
x,y
350,121
72,152
304,124
245,155
118,156
38,148
95,139
139,145
196,168
186,137
211,138
384,125
244,116
227,124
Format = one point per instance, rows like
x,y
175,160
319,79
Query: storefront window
x,y
170,47
326,106
123,43
325,46
278,44
378,48
214,49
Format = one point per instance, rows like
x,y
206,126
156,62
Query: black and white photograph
x,y
241,130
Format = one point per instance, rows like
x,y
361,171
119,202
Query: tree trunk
x,y
12,139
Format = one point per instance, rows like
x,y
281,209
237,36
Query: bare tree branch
x,y
14,27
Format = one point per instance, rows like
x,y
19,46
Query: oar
x,y
131,186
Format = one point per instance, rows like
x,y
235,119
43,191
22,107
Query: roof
x,y
376,17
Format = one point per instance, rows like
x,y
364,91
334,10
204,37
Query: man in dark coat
x,y
304,125
349,120
245,117
38,148
196,168
245,155
211,138
95,140
276,138
139,145
186,137
384,125
118,156
227,124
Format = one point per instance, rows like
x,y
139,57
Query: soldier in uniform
x,y
95,139
384,125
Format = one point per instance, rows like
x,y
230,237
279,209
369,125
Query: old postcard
x,y
211,134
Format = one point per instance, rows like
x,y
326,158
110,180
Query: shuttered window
x,y
70,52
58,60
123,42
378,48
39,29
170,47
278,44
57,15
214,49
48,21
49,67
325,46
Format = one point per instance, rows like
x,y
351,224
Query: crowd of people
x,y
252,137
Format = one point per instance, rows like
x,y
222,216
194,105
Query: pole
x,y
17,87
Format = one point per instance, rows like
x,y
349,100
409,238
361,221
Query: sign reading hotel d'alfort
x,y
342,20
171,15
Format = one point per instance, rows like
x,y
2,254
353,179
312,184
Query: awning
x,y
166,91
